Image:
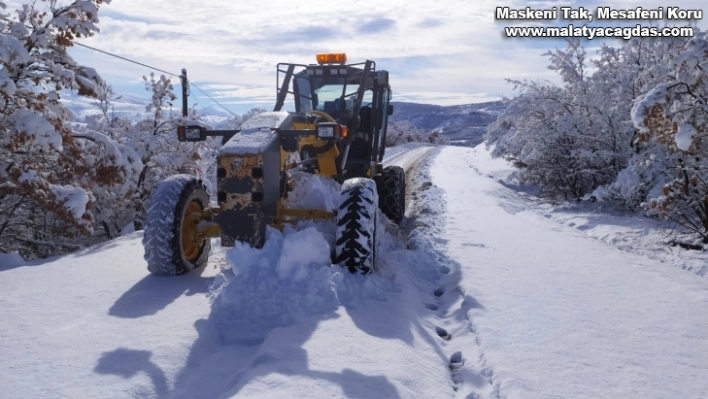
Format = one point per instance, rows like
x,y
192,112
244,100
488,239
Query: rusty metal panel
x,y
248,194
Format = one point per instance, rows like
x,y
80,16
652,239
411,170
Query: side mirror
x,y
191,133
390,110
382,78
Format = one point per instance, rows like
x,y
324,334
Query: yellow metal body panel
x,y
290,215
240,217
190,241
326,163
303,126
209,230
307,213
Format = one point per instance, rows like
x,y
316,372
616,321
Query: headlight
x,y
330,131
193,133
325,132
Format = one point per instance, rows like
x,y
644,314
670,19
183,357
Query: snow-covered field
x,y
496,296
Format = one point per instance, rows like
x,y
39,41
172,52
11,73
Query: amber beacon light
x,y
331,58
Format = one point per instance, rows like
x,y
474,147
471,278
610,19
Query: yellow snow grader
x,y
337,131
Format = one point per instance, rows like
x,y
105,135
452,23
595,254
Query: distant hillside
x,y
462,124
126,106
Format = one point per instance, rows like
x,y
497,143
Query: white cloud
x,y
437,52
446,97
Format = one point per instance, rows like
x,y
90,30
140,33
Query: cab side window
x,y
385,99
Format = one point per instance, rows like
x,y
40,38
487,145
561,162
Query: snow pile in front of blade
x,y
312,192
290,277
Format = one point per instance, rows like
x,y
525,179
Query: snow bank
x,y
292,277
289,278
13,259
556,314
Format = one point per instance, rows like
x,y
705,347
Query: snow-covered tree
x,y
401,132
574,138
113,207
47,172
237,120
154,139
641,64
672,123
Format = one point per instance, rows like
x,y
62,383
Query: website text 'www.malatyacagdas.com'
x,y
581,15
592,32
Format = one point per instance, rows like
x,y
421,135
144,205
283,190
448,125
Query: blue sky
x,y
440,52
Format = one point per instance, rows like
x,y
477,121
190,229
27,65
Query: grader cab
x,y
337,130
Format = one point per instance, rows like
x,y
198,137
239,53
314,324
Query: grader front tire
x,y
171,240
357,221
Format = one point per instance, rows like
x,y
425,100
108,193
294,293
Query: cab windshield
x,y
335,96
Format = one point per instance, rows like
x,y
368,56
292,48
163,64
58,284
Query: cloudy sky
x,y
437,51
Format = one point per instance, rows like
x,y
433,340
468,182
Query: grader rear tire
x,y
172,246
391,187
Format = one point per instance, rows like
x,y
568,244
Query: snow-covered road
x,y
557,314
407,159
492,300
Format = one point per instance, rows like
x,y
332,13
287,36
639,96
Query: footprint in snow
x,y
439,291
456,361
442,333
